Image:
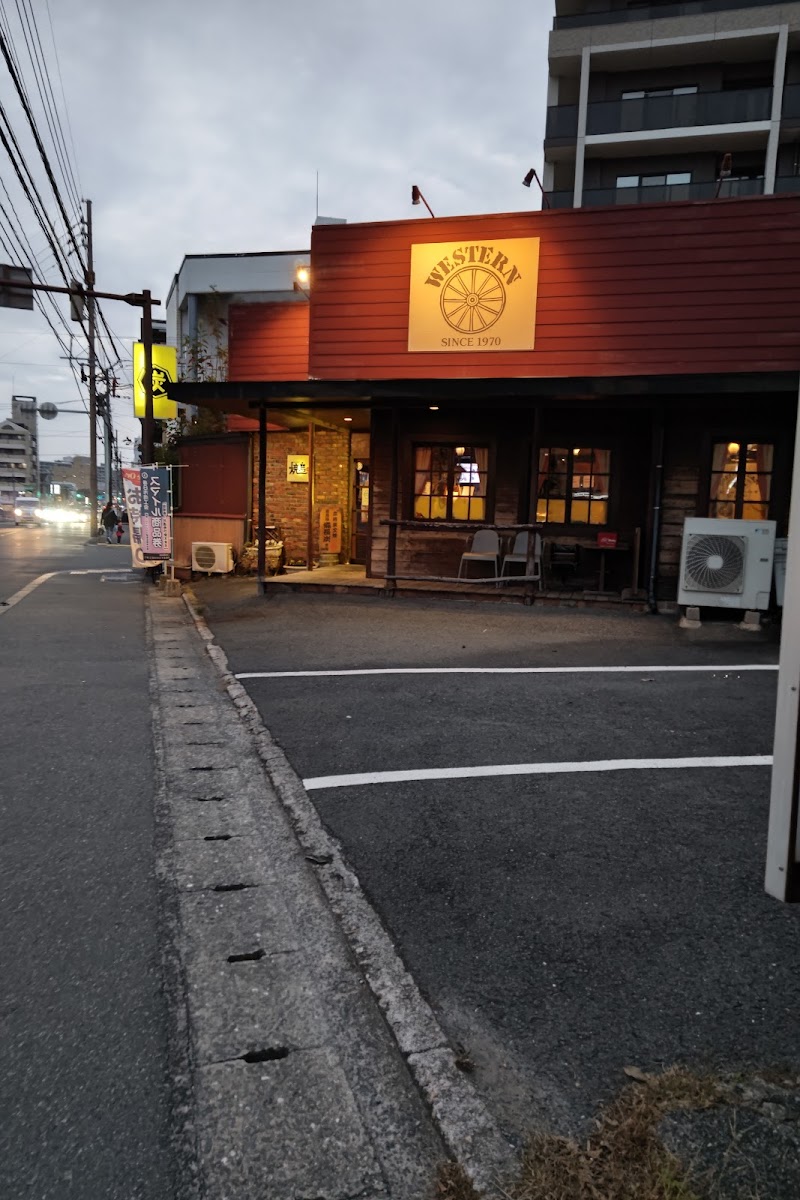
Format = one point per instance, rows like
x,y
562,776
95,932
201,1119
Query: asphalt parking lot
x,y
565,917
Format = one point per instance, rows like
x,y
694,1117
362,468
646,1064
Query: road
x,y
565,920
83,1026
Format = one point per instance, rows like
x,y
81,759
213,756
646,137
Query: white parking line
x,y
552,768
717,669
40,579
26,591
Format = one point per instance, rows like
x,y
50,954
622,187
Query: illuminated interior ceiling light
x,y
733,447
434,407
577,450
460,449
348,418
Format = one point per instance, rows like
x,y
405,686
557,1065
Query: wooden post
x,y
530,566
531,514
262,496
310,530
391,551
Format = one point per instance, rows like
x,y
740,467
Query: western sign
x,y
473,295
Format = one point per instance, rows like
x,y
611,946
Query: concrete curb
x,y
466,1126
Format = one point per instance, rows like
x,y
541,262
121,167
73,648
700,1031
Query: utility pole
x,y
89,280
107,436
148,424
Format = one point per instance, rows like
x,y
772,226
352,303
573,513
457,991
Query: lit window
x,y
625,181
450,483
573,485
741,480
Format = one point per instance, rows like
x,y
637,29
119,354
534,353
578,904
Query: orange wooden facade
x,y
268,341
680,288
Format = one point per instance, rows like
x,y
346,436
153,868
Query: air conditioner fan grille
x,y
715,563
205,557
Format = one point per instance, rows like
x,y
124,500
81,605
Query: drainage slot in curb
x,y
208,799
202,768
270,1054
233,887
217,837
254,957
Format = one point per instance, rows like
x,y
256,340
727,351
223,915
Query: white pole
x,y
782,878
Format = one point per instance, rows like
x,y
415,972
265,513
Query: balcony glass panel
x,y
658,193
652,12
787,183
676,112
562,121
791,100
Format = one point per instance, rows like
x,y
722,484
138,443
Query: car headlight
x,y
17,512
38,512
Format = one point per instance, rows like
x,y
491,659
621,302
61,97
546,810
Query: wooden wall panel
x,y
268,341
205,529
214,477
636,290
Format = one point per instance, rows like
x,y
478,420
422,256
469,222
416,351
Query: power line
x,y
49,107
39,144
64,98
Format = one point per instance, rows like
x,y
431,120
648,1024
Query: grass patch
x,y
623,1159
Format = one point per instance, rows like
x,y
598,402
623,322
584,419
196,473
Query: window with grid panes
x,y
450,482
573,485
741,480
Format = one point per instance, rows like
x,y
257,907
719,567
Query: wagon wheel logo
x,y
472,300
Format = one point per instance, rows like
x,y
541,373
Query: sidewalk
x,y
300,1089
84,1089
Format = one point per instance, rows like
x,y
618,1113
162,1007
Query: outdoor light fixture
x,y
347,418
416,196
302,278
528,180
724,171
434,407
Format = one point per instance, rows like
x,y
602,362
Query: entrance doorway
x,y
359,524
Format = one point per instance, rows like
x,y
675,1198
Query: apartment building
x,y
653,101
14,461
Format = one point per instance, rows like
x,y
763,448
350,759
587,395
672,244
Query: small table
x,y
586,544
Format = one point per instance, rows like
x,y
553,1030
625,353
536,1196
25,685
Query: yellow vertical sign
x,y
165,372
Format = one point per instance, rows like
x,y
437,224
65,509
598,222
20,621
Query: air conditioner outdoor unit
x,y
213,558
726,564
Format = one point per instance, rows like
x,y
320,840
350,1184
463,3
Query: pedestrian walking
x,y
119,532
109,520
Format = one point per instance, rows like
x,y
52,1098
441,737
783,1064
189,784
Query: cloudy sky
x,y
200,127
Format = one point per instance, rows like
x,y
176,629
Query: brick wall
x,y
287,503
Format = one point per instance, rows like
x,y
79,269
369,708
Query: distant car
x,y
27,511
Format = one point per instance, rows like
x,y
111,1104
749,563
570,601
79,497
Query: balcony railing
x,y
595,197
791,101
562,121
654,12
787,183
679,112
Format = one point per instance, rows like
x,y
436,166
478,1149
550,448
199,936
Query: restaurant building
x,y
603,373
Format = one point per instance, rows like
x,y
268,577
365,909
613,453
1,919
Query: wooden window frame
x,y
568,523
450,444
738,436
